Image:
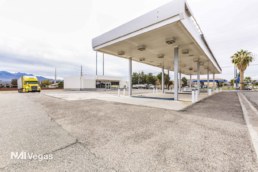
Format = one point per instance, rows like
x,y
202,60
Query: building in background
x,y
204,82
94,82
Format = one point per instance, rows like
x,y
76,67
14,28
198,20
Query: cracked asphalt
x,y
94,135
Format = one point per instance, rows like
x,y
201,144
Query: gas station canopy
x,y
151,38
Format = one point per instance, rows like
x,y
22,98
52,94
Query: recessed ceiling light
x,y
195,59
142,59
161,56
120,53
141,47
185,51
170,41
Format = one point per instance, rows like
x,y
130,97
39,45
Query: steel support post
x,y
176,66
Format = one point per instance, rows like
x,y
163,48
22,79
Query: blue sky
x,y
37,36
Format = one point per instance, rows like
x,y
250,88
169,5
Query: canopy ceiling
x,y
151,38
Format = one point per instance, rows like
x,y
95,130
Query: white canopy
x,y
150,39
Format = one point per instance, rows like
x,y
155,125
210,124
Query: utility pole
x,y
81,71
103,64
81,79
96,63
55,76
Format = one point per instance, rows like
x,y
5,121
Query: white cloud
x,y
37,36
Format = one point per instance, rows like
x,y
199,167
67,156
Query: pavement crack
x,y
97,157
63,147
85,147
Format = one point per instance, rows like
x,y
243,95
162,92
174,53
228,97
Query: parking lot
x,y
98,135
252,97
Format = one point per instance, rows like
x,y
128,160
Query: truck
x,y
28,84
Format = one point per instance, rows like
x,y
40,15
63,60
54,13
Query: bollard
x,y
153,91
217,90
220,90
193,96
118,92
209,92
124,91
196,95
156,90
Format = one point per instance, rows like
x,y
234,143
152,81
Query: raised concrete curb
x,y
200,100
251,118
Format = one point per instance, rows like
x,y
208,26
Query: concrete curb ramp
x,y
251,117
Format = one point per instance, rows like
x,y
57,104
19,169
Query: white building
x,y
94,82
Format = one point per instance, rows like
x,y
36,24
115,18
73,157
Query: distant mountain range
x,y
8,76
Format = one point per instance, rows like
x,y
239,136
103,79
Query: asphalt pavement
x,y
95,135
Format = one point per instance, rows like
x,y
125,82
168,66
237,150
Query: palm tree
x,y
241,60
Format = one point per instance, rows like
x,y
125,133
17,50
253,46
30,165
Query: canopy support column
x,y
198,76
176,61
213,84
130,77
162,80
179,82
190,82
96,63
168,79
103,64
208,78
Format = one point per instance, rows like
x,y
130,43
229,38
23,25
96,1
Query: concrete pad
x,y
25,126
138,98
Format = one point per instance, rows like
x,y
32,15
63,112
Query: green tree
x,y
232,81
166,79
14,82
45,83
184,81
61,84
142,78
220,84
248,80
135,78
241,60
150,79
170,83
